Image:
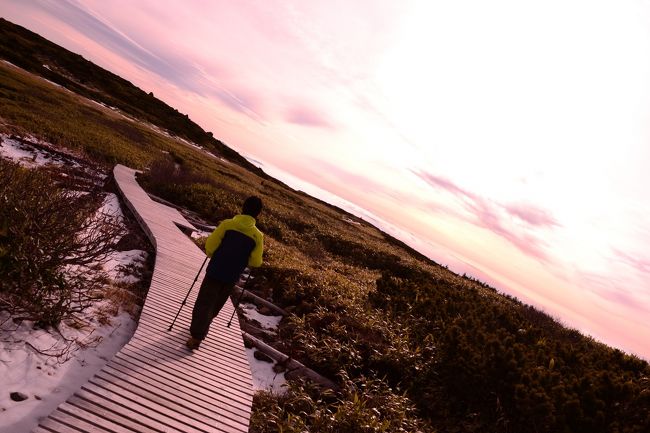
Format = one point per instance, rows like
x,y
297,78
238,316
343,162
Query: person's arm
x,y
255,259
214,240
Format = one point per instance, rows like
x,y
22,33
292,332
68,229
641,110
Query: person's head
x,y
252,206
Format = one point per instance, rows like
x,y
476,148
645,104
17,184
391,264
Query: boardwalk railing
x,y
154,384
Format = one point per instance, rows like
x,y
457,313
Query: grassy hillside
x,y
38,55
413,346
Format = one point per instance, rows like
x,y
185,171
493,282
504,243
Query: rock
x,y
18,396
262,356
265,311
38,397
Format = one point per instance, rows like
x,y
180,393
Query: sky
x,y
506,139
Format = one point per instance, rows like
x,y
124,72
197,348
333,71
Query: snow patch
x,y
42,378
118,265
267,322
264,378
30,156
24,155
198,234
111,206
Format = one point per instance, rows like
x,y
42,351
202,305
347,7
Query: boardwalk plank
x,y
55,426
189,374
134,412
81,424
90,418
201,391
104,412
168,420
194,400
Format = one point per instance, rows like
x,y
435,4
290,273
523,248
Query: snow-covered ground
x,y
27,156
264,377
45,380
267,322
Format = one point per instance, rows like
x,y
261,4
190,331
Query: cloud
x,y
641,264
306,116
494,217
446,184
531,215
164,60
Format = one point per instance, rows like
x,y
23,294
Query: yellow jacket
x,y
244,224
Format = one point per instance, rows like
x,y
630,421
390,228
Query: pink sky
x,y
507,140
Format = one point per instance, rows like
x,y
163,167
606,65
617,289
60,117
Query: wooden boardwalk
x,y
154,384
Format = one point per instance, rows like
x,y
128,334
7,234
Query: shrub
x,y
54,236
362,406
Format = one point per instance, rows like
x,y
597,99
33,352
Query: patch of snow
x,y
53,83
348,220
267,322
197,234
118,265
111,206
16,151
47,67
29,156
24,370
264,378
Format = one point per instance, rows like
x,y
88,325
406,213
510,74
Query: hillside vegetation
x,y
413,346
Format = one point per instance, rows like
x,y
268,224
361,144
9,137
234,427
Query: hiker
x,y
235,244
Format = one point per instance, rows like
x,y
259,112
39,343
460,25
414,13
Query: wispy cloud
x,y
532,215
307,116
495,217
641,264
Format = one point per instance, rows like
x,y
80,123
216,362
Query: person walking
x,y
235,244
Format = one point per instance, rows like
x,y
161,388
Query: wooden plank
x,y
189,401
91,408
40,429
183,369
135,390
80,423
234,412
93,402
89,418
219,371
202,391
168,420
207,358
205,385
58,427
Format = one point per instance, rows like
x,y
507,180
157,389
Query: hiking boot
x,y
193,343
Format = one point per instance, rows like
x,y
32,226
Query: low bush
x,y
194,191
363,405
53,237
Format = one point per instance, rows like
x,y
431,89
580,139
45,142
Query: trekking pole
x,y
241,295
188,293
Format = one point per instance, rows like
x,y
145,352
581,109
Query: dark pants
x,y
212,296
